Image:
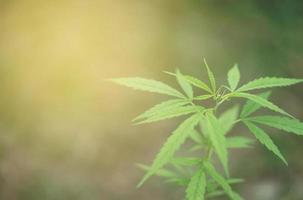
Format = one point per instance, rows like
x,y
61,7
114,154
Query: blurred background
x,y
65,133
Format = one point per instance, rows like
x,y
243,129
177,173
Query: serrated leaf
x,y
233,77
238,142
173,112
169,175
267,82
212,185
148,85
210,169
184,84
251,106
265,139
263,102
211,77
193,81
198,83
215,132
228,118
283,123
161,172
196,187
162,107
172,144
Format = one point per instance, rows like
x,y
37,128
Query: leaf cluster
x,y
208,130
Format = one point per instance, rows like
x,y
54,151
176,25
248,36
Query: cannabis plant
x,y
207,128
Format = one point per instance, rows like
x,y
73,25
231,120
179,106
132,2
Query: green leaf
x,y
172,144
238,142
170,73
197,137
211,77
148,85
283,123
212,185
198,83
228,118
173,112
161,172
219,179
265,139
268,82
194,81
233,77
251,106
162,107
215,132
237,196
263,102
169,175
184,84
196,187
203,97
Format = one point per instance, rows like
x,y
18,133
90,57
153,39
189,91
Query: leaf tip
x,y
142,181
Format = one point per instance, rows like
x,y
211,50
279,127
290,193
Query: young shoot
x,y
208,130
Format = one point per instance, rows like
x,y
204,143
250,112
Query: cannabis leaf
x,y
215,133
283,123
198,83
268,82
198,173
169,175
213,186
193,81
203,97
172,144
211,77
219,179
161,172
148,85
196,187
184,84
261,101
172,112
251,106
233,77
264,139
162,107
228,118
238,142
